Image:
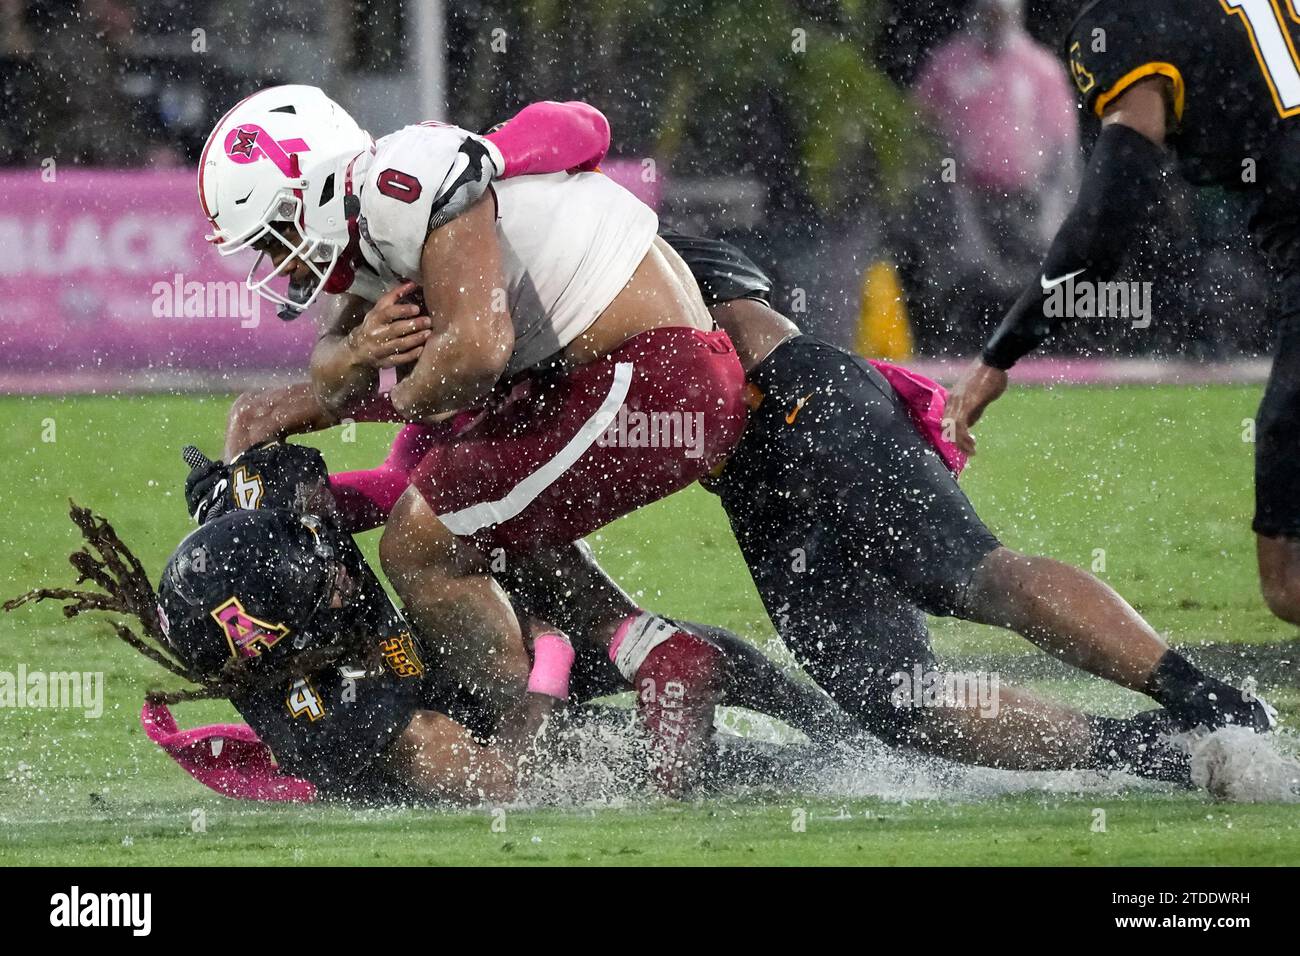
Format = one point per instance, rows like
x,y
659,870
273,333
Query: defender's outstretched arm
x,y
1119,186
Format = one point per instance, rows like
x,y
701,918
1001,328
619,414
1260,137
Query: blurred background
x,y
898,165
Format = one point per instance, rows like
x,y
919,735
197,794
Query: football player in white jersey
x,y
540,320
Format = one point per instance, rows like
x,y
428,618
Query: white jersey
x,y
569,243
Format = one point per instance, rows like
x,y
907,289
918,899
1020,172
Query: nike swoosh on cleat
x,y
1050,284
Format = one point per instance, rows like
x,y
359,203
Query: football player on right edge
x,y
1218,85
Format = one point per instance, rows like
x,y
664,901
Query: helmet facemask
x,y
317,253
326,623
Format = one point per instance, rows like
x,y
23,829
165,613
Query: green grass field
x,y
1150,486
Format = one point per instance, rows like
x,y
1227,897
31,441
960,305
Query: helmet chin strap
x,y
299,293
340,276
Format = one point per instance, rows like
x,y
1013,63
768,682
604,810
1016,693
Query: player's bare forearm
x,y
274,413
338,376
469,347
441,758
357,342
459,383
338,380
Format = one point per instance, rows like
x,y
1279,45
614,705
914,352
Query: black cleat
x,y
1216,704
1140,745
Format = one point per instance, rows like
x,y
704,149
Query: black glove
x,y
271,474
204,484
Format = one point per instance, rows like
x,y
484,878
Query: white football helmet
x,y
282,156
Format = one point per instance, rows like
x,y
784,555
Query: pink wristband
x,y
552,661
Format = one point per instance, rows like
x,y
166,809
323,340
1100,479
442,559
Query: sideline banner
x,y
106,283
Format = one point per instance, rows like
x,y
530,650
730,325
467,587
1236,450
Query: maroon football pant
x,y
567,454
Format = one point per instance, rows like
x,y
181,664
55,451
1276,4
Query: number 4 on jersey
x,y
303,699
248,489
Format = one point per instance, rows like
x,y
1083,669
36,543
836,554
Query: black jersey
x,y
330,727
722,271
1233,64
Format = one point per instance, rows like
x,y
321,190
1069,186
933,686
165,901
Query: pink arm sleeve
x,y
365,498
550,137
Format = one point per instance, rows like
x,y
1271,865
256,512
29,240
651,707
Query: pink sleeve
x,y
365,498
551,137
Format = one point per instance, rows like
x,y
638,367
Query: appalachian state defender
x,y
1217,84
270,604
853,527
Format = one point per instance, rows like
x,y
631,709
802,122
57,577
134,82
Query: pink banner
x,y
106,282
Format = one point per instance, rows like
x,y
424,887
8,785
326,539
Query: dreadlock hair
x,y
125,588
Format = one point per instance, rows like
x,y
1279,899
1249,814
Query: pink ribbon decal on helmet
x,y
249,143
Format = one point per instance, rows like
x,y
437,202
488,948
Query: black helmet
x,y
254,584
